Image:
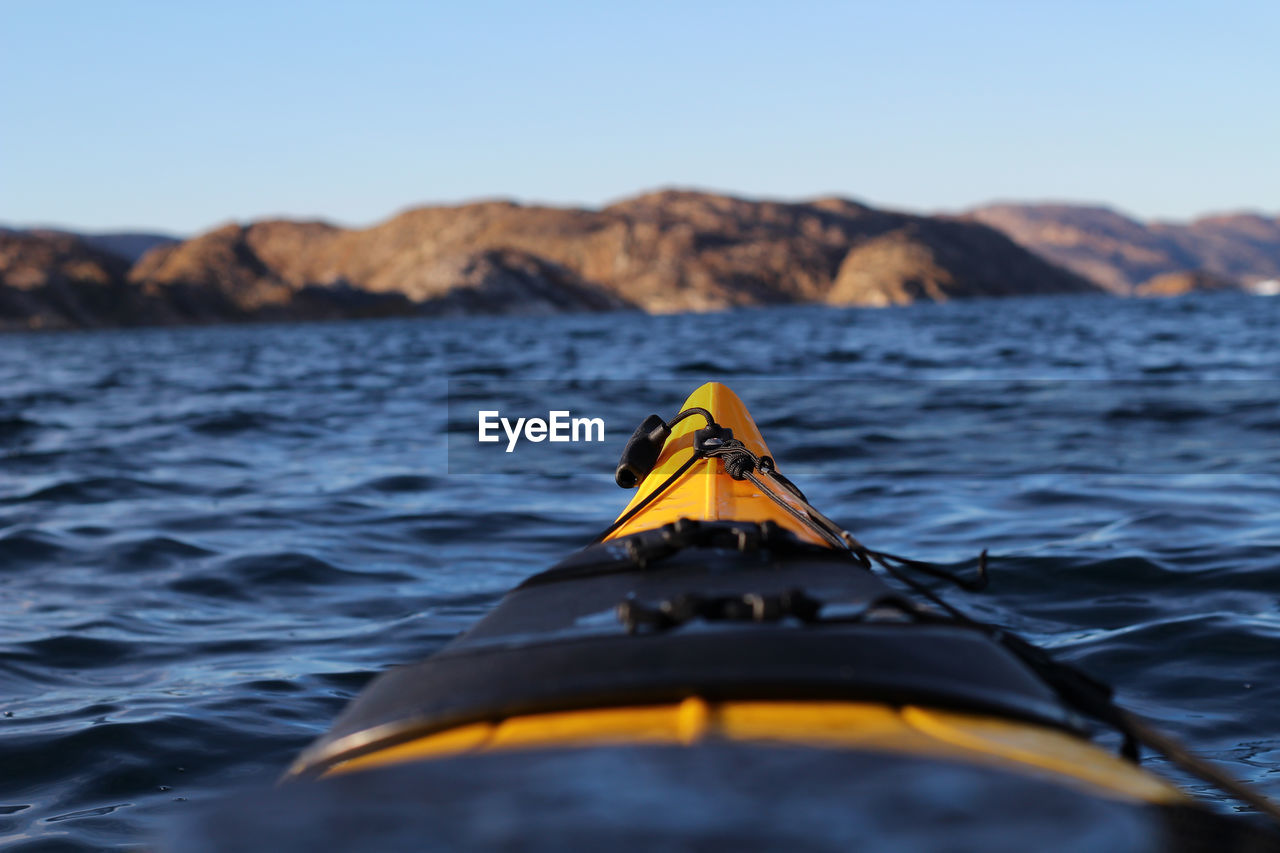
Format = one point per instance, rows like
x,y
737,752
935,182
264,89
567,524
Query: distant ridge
x,y
129,245
664,251
1121,253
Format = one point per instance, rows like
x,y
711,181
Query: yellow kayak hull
x,y
1014,747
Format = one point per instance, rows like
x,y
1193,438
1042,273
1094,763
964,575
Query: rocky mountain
x,y
1120,253
660,252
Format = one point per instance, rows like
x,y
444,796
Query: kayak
x,y
724,660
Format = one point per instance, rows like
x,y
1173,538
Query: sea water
x,y
212,538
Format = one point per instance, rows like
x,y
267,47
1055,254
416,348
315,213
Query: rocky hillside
x,y
661,252
1121,253
669,251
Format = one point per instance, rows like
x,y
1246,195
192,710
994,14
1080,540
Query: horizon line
x,y
1082,204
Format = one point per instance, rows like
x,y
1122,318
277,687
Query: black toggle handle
x,y
641,452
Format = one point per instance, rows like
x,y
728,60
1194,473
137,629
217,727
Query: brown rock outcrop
x,y
1186,281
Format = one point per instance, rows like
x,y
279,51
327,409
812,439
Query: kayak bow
x,y
705,492
718,611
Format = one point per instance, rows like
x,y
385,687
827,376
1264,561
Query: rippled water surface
x,y
210,539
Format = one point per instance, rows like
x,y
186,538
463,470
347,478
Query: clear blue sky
x,y
177,116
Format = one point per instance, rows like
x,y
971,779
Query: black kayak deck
x,y
557,643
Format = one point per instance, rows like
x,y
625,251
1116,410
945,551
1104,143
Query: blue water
x,y
210,539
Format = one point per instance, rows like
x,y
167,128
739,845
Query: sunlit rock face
x,y
1187,281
